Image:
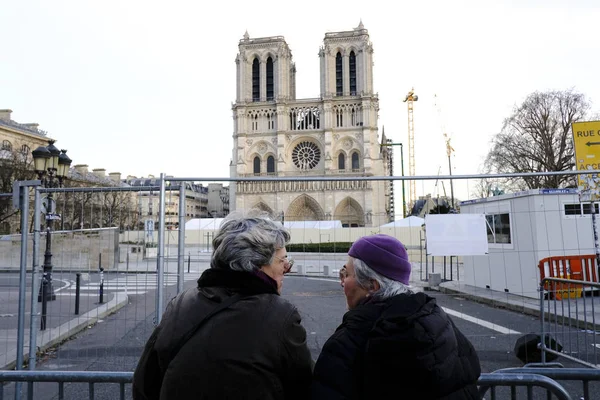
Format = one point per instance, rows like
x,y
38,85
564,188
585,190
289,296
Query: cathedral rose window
x,y
306,155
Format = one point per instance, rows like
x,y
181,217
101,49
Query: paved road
x,y
116,343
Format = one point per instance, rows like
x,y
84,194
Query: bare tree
x,y
483,188
14,166
488,187
537,138
118,209
106,208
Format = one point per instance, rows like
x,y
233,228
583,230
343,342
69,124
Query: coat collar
x,y
248,283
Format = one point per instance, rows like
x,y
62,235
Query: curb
x,y
534,312
70,328
321,276
492,302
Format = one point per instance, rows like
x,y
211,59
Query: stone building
x,y
17,140
148,202
335,135
218,200
20,137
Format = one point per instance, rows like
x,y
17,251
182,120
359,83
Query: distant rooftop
x,y
87,176
530,192
152,181
6,121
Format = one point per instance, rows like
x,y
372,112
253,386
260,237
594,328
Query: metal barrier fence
x,y
583,375
92,379
104,242
513,378
568,313
490,382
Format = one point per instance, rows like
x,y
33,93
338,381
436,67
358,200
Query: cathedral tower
x,y
276,134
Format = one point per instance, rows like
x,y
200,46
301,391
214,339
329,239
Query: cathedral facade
x,y
335,135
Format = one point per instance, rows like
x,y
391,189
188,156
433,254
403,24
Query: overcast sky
x,y
144,87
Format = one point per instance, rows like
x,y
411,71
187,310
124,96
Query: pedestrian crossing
x,y
131,284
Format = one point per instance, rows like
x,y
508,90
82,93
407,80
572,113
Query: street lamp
x,y
389,143
52,167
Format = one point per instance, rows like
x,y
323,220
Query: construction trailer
x,y
524,228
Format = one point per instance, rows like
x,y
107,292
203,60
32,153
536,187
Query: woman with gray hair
x,y
392,340
232,336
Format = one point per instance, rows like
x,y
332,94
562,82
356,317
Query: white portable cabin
x,y
522,229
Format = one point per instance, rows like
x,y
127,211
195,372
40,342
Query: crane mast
x,y
410,98
449,151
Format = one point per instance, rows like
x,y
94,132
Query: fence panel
x,y
74,384
68,384
568,310
583,376
90,285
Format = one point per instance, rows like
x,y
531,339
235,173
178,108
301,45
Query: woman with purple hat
x,y
392,340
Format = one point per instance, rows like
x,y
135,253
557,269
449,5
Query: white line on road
x,y
66,282
324,279
481,322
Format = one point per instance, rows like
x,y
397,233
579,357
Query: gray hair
x,y
247,243
387,287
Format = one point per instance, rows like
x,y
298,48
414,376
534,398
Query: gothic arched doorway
x,y
304,208
350,213
264,208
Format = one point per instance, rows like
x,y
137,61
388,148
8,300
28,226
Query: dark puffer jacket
x,y
405,344
255,349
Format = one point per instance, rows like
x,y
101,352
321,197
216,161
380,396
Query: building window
x,y
498,228
256,165
580,209
25,149
572,209
255,80
270,86
355,162
6,145
306,155
341,161
339,76
271,165
271,120
339,118
352,74
255,122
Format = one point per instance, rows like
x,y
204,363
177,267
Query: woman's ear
x,y
375,285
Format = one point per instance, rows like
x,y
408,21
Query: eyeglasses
x,y
288,262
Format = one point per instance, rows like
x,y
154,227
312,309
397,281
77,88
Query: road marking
x,y
65,281
132,285
324,279
481,322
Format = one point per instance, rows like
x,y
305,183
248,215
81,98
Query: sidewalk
x,y
61,322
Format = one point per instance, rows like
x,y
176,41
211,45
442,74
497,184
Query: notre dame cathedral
x,y
335,135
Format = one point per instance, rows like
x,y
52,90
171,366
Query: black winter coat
x,y
254,349
398,346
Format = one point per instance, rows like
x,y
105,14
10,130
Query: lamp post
x,y
402,171
52,166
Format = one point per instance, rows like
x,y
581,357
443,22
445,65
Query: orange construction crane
x,y
412,192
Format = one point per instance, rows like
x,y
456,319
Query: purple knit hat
x,y
383,254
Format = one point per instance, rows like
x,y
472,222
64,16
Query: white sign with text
x,y
456,234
